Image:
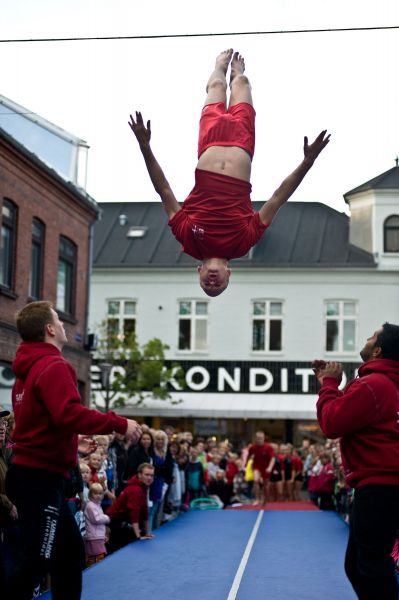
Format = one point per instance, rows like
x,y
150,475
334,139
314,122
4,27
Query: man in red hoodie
x,y
129,512
365,417
49,415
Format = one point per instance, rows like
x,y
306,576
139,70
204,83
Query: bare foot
x,y
223,60
237,66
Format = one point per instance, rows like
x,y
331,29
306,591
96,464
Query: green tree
x,y
130,373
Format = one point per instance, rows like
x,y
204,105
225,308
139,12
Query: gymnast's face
x,y
214,277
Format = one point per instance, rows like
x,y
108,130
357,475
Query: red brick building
x,y
45,253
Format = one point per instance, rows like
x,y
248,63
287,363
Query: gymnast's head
x,y
214,275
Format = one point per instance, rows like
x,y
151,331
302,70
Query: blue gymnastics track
x,y
196,557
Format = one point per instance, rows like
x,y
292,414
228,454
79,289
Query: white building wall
x,y
303,293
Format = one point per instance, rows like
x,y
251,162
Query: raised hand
x,y
312,151
327,369
142,133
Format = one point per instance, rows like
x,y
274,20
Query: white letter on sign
x,y
261,387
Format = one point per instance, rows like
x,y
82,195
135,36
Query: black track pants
x,y
50,538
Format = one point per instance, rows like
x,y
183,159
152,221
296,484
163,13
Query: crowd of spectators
x,y
120,493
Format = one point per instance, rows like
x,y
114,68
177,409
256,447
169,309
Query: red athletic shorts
x,y
232,127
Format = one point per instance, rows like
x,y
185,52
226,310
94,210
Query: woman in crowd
x,y
163,475
143,452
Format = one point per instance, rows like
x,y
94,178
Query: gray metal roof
x,y
386,181
303,234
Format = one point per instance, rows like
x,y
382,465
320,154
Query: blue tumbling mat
x,y
196,557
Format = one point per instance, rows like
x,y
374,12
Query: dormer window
x,y
391,234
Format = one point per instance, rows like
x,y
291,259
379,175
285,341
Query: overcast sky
x,y
302,83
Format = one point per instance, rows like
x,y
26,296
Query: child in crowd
x,y
96,522
240,485
86,477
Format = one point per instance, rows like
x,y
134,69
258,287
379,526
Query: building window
x,y
267,325
391,234
36,264
193,325
341,323
66,276
121,318
8,243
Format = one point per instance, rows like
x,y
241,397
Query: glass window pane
x,y
129,327
67,250
185,308
6,255
184,334
392,240
61,285
50,147
332,336
349,309
35,272
276,308
113,307
7,211
113,327
200,334
130,308
275,335
37,230
258,335
332,308
349,335
201,308
64,287
259,308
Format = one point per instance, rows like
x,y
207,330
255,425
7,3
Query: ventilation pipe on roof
x,y
122,220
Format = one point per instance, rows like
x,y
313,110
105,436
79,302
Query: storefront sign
x,y
249,377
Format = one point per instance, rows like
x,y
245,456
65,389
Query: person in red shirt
x,y
365,418
216,221
263,462
49,415
129,512
298,468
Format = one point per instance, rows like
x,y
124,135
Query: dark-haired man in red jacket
x,y
365,417
49,415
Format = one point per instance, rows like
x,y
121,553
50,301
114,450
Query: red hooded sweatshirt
x,y
365,417
132,503
48,410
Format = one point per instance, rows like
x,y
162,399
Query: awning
x,y
227,406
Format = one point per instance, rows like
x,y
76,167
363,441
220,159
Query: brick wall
x,y
37,193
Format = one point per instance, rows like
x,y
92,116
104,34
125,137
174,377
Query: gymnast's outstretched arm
x,y
159,181
290,184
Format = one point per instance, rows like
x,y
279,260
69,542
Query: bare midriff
x,y
227,160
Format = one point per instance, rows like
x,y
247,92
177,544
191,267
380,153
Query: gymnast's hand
x,y
142,133
312,151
